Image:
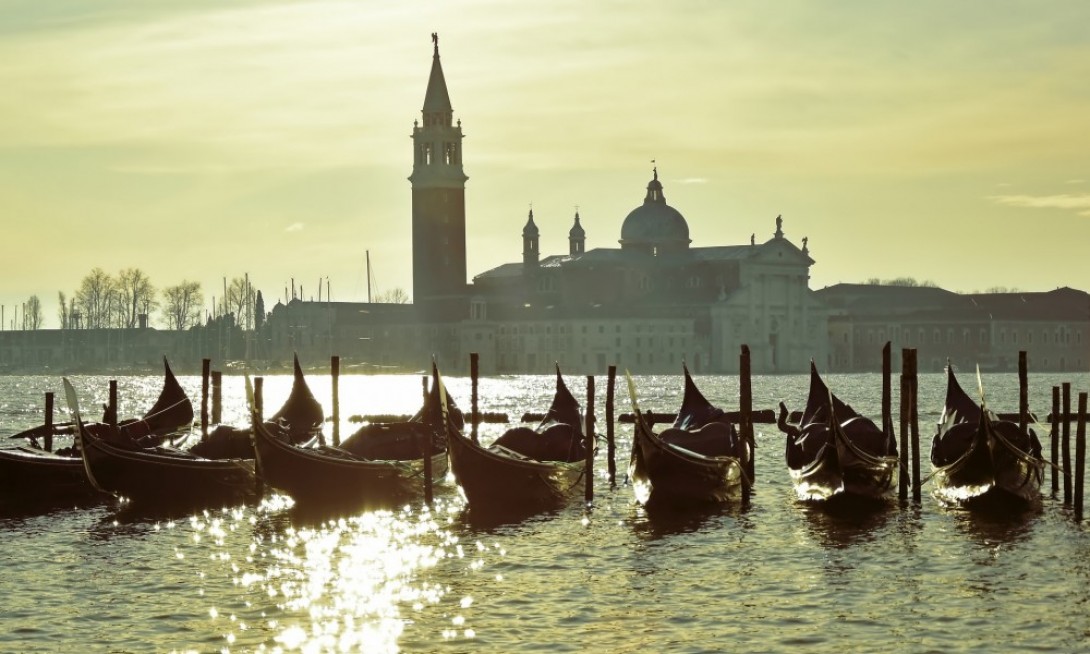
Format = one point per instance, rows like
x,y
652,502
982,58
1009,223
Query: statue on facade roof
x,y
805,246
753,238
779,226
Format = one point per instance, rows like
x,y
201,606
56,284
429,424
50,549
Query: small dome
x,y
530,230
655,224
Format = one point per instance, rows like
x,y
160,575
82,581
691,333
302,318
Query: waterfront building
x,y
985,329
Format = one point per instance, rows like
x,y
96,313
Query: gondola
x,y
978,458
525,469
699,459
160,475
299,419
835,454
380,466
29,472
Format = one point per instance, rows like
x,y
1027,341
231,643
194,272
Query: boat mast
x,y
368,276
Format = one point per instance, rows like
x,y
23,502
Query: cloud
x,y
1075,181
294,227
693,180
1063,201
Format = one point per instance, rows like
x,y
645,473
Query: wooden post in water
x,y
257,418
335,383
1065,448
1080,456
217,397
206,367
588,469
1023,392
426,449
259,399
745,408
1054,440
111,403
49,421
914,424
474,373
611,445
904,481
887,394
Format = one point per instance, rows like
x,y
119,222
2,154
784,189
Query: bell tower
x,y
439,207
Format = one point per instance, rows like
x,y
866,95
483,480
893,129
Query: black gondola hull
x,y
491,480
977,463
27,474
310,474
663,474
164,476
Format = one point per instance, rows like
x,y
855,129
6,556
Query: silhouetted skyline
x,y
197,141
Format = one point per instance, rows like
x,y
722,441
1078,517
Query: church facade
x,y
648,305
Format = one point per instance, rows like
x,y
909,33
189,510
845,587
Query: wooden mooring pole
x,y
1065,449
206,369
611,445
887,394
914,424
426,449
474,374
48,440
588,469
257,418
1054,440
745,408
217,397
335,383
1080,456
259,400
111,404
904,480
1023,392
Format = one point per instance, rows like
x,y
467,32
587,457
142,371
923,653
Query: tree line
x,y
104,301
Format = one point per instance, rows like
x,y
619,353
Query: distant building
x,y
646,306
985,329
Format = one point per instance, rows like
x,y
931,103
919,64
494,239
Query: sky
x,y
202,139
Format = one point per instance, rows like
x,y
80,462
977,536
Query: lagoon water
x,y
771,577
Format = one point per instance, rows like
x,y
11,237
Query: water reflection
x,y
841,524
341,582
997,524
504,520
656,522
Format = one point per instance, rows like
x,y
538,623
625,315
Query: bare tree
x,y
182,305
396,295
32,313
239,300
137,295
94,298
62,309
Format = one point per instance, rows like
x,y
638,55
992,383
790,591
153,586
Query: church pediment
x,y
782,251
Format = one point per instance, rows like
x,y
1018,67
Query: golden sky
x,y
198,139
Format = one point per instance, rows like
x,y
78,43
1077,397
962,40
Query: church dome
x,y
655,226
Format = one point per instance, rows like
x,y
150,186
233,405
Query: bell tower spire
x,y
438,188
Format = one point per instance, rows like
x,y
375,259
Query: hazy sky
x,y
198,139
